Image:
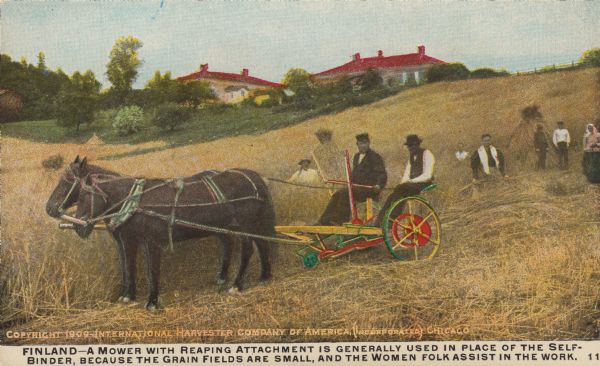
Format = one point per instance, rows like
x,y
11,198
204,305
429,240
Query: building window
x,y
404,77
417,77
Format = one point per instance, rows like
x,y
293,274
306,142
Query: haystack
x,y
94,140
520,143
90,147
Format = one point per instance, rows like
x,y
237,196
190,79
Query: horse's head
x,y
67,190
91,204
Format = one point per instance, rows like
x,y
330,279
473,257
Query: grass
x,y
206,125
518,260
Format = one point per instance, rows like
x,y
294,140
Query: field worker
x,y
562,140
487,159
461,154
418,174
368,168
305,175
540,142
591,138
328,157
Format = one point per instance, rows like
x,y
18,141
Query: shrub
x,y
54,162
488,73
170,115
591,57
447,72
370,80
128,120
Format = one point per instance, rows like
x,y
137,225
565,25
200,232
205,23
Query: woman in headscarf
x,y
591,138
591,154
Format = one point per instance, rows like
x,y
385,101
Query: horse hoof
x,y
220,281
125,299
234,290
264,281
152,307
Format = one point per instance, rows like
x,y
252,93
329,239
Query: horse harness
x,y
131,203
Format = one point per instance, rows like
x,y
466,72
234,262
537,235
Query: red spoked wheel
x,y
405,234
412,229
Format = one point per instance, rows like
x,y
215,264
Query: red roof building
x,y
400,68
229,87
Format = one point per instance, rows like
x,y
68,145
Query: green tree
x,y
296,79
170,115
122,69
591,57
193,93
76,102
164,89
41,61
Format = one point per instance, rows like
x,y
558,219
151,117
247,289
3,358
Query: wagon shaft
x,y
330,230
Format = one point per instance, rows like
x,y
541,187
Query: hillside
x,y
519,258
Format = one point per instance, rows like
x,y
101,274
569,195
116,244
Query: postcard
x,y
299,182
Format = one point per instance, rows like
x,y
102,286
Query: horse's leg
x,y
122,267
264,252
130,253
153,254
247,249
226,251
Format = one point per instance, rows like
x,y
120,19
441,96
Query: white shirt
x,y
308,176
361,157
561,135
428,164
461,155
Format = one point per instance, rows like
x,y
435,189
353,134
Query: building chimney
x,y
245,72
356,56
380,53
203,67
421,49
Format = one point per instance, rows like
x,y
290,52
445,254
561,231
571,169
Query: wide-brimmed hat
x,y
413,140
363,137
304,160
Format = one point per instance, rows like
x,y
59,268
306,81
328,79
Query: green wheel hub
x,y
310,260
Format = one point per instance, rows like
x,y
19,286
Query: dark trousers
x,y
563,155
338,209
401,191
541,159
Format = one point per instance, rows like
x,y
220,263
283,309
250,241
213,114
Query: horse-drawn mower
x,y
410,229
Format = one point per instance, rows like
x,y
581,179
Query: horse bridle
x,y
76,181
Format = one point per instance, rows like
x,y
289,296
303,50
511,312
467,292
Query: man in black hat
x,y
418,174
368,169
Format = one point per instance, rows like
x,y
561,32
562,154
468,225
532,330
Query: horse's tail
x,y
266,218
269,218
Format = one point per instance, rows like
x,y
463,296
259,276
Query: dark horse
x,y
237,200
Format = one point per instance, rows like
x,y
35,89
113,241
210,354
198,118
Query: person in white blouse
x,y
418,174
305,175
562,140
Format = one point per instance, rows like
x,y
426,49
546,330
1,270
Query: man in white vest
x,y
487,161
418,174
561,140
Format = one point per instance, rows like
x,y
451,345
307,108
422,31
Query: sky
x,y
270,37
